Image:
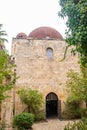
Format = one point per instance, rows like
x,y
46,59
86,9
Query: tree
x,y
2,39
7,67
7,71
32,98
7,75
76,33
76,86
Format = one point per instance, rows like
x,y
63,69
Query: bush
x,y
23,121
40,116
83,112
32,98
80,125
2,125
72,110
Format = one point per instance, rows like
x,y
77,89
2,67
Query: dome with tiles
x,y
45,33
21,35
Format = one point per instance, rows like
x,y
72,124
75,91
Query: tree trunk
x,y
86,104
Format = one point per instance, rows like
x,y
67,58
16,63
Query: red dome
x,y
45,32
21,35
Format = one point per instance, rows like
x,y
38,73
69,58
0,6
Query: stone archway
x,y
52,104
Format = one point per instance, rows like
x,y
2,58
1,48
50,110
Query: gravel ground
x,y
51,124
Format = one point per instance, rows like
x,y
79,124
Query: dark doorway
x,y
51,105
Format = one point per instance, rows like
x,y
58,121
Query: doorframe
x,y
58,103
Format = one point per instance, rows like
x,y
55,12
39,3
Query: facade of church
x,y
38,58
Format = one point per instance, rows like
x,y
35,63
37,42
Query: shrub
x,y
72,110
40,116
84,120
80,125
83,112
23,121
32,98
2,126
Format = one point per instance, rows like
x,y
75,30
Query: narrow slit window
x,y
49,53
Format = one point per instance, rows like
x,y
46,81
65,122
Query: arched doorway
x,y
51,105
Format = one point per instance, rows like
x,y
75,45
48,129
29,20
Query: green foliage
x,y
23,121
80,125
6,74
2,39
32,98
72,110
76,34
76,86
2,126
40,116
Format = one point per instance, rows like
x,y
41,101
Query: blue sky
x,y
26,15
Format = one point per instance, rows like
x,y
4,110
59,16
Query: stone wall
x,y
36,71
7,110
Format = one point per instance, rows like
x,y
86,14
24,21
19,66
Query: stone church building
x,y
38,58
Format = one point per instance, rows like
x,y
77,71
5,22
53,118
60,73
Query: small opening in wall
x,y
47,37
49,53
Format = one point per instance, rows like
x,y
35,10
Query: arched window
x,y
49,53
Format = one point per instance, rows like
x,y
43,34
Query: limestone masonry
x,y
39,66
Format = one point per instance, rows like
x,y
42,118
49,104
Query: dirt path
x,y
51,124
